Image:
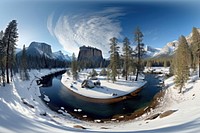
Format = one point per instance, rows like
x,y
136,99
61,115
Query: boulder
x,y
87,84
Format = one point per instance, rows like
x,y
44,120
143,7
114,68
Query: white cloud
x,y
50,24
93,29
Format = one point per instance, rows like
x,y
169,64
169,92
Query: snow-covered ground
x,y
157,69
19,117
107,90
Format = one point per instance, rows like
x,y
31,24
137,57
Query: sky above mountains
x,y
67,25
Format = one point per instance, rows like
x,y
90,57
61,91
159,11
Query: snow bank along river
x,y
59,98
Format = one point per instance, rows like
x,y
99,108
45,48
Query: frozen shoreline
x,y
18,117
107,90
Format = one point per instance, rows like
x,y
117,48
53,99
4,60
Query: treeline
x,y
40,62
92,64
158,62
130,62
10,63
127,64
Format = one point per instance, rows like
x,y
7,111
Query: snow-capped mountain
x,y
42,49
150,51
168,49
68,58
39,49
60,56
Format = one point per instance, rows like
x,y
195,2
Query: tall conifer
x,y
139,51
74,67
182,63
114,58
9,40
195,48
127,55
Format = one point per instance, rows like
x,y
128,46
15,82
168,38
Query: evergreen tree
x,y
74,67
139,51
195,48
1,35
149,64
127,55
165,63
9,40
114,58
23,65
2,58
182,63
93,73
103,72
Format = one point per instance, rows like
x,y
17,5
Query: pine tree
x,y
2,58
114,58
74,67
9,40
165,63
139,51
149,64
127,54
195,48
182,63
23,65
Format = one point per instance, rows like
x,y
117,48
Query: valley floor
x,y
107,89
23,111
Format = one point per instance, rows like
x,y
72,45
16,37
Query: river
x,y
60,96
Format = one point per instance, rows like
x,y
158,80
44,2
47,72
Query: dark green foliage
x,y
139,51
182,63
93,73
9,41
127,57
195,49
74,67
103,72
2,59
114,58
23,66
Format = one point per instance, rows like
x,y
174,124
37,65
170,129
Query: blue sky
x,y
67,25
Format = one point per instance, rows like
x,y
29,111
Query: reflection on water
x,y
60,96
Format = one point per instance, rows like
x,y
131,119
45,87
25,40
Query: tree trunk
x,y
199,65
138,65
7,67
137,73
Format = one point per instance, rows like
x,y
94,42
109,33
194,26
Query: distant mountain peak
x,y
43,49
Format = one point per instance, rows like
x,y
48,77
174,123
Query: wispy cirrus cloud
x,y
92,29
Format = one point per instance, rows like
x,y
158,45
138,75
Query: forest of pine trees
x,y
182,63
130,62
74,67
186,57
114,58
11,63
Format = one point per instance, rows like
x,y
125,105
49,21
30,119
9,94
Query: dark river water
x,y
60,96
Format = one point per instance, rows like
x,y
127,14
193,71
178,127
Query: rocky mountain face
x,y
90,57
169,48
37,49
150,51
40,55
60,56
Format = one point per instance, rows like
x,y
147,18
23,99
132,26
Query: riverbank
x,y
108,92
18,117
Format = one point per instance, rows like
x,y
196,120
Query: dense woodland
x,y
130,62
12,63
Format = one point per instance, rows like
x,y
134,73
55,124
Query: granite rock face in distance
x,y
90,57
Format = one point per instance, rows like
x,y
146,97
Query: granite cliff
x,y
90,57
